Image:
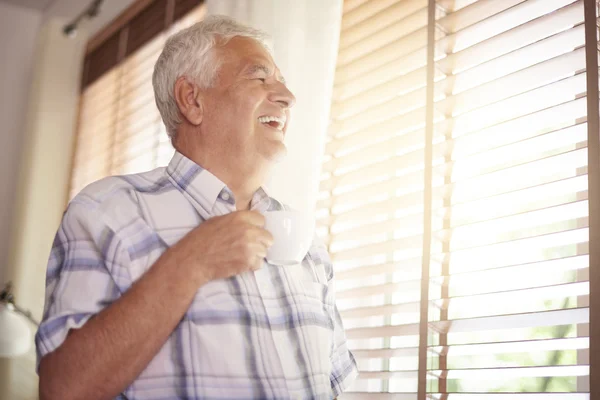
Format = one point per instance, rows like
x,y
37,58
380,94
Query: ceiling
x,y
40,5
69,9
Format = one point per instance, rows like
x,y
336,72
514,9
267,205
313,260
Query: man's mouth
x,y
273,122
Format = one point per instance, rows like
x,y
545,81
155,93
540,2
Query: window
x,y
472,240
120,130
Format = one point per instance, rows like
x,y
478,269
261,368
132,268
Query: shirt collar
x,y
207,193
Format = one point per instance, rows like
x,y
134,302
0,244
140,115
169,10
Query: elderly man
x,y
157,286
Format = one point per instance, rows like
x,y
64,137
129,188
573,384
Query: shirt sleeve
x,y
79,275
343,365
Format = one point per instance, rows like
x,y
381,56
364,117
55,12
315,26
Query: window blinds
x,y
120,130
508,283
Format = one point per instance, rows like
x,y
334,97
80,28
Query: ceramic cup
x,y
293,234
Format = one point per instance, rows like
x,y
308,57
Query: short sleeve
x,y
79,275
343,365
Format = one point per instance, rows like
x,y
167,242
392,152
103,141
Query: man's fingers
x,y
253,218
266,238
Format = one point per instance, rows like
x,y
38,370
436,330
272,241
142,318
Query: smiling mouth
x,y
273,122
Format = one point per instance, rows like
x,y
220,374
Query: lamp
x,y
15,333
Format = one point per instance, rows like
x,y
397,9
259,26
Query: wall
x,y
18,36
18,31
39,92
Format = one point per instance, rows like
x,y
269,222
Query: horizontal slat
x,y
547,272
499,17
358,13
388,375
527,346
536,76
539,222
408,268
467,71
386,353
349,5
380,75
505,43
396,12
510,301
401,26
511,372
446,42
525,125
531,199
373,193
408,245
502,302
402,148
375,172
554,47
108,83
387,54
396,227
368,210
478,12
408,290
454,5
549,169
531,250
383,331
382,396
484,374
514,107
513,321
374,96
545,145
398,106
509,396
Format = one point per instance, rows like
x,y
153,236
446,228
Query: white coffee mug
x,y
293,234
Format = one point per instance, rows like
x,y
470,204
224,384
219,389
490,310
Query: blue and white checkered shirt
x,y
271,334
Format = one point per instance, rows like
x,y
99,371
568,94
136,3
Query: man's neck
x,y
242,180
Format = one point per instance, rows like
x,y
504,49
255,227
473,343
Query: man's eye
x,y
262,79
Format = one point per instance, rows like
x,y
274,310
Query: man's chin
x,y
276,152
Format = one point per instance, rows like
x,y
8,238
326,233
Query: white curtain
x,y
305,35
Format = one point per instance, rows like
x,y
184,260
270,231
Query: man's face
x,y
246,111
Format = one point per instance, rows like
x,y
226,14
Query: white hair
x,y
188,53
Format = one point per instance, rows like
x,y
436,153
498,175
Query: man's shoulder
x,y
122,188
115,200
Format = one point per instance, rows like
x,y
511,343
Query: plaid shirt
x,y
271,334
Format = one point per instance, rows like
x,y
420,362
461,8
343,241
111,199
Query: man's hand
x,y
226,246
132,329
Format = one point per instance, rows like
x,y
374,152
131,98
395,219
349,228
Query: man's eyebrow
x,y
254,68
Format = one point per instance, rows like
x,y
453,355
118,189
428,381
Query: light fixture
x,y
15,333
90,12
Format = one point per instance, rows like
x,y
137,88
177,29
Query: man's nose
x,y
283,96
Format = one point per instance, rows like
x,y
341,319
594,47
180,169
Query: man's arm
x,y
104,356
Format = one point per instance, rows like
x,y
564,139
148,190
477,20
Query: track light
x,y
90,12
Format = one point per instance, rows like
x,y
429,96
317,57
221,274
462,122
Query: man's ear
x,y
189,101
